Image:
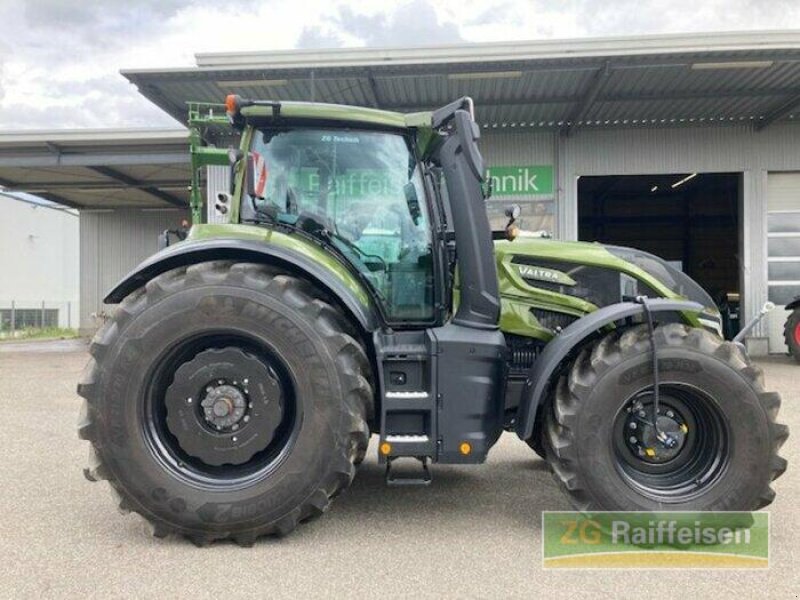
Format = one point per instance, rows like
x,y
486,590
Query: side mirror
x,y
412,200
512,212
256,175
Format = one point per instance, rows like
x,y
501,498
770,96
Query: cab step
x,y
405,480
408,404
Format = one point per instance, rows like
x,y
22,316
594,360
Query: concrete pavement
x,y
474,533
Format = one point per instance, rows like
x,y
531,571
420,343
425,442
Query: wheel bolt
x,y
188,401
632,439
246,418
235,439
670,414
632,425
642,413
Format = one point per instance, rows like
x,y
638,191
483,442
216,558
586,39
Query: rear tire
x,y
791,333
702,376
185,468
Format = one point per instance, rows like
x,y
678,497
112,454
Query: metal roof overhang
x,y
652,81
91,169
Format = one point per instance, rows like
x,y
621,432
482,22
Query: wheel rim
x,y
687,455
220,411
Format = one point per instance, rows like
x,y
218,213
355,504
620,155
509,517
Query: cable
x,y
663,437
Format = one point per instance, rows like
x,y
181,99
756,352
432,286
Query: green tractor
x,y
349,284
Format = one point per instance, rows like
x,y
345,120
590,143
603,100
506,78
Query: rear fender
x,y
192,252
559,348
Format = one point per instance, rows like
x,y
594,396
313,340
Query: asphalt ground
x,y
474,533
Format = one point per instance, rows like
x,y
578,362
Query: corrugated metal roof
x,y
619,46
98,168
668,79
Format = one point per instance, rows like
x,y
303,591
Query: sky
x,y
60,60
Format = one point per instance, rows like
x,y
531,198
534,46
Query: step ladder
x,y
408,405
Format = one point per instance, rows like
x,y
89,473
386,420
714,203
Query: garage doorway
x,y
689,219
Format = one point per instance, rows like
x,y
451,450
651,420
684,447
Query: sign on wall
x,y
531,180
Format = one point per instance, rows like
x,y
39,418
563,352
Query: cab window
x,y
363,192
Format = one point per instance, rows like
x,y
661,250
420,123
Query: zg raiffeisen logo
x,y
652,540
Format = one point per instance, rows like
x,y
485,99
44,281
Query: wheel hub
x,y
224,406
654,438
686,452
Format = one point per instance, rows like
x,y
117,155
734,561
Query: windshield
x,y
362,191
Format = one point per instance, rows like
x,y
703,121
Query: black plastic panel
x,y
470,366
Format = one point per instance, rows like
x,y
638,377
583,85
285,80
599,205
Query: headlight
x,y
711,321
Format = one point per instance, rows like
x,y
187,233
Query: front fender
x,y
793,304
559,347
355,301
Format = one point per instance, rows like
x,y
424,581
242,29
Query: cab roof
x,y
357,115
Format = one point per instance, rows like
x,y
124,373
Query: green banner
x,y
655,540
531,180
353,184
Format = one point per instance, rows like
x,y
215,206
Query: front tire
x,y
226,400
791,333
725,441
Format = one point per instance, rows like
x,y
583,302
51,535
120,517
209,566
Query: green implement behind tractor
x,y
349,284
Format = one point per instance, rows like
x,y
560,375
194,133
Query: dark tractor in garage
x,y
349,284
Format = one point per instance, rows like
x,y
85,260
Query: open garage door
x,y
783,250
689,219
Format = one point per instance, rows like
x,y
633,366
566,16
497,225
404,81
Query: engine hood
x,y
660,277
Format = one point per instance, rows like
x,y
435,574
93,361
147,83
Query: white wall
x,y
113,242
39,258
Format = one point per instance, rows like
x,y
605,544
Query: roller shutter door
x,y
783,250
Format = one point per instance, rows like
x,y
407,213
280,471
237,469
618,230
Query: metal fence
x,y
21,317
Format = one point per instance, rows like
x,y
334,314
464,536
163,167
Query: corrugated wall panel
x,y
520,147
113,243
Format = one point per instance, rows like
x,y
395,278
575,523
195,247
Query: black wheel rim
x,y
690,456
255,444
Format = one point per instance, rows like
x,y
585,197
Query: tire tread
x,y
340,337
